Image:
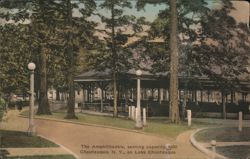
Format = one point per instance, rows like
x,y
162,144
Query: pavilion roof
x,y
160,80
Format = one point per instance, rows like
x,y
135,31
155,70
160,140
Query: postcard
x,y
124,79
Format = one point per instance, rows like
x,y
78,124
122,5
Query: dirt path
x,y
109,143
116,144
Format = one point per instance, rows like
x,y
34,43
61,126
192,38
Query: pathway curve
x,y
88,141
93,142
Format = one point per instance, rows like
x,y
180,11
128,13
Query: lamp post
x,y
31,129
138,118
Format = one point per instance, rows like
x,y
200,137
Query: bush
x,y
19,103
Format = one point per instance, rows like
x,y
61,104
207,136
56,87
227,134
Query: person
x,y
19,106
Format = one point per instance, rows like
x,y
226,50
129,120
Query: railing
x,y
93,106
97,107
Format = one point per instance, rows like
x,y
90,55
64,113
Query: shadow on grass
x,y
44,157
17,139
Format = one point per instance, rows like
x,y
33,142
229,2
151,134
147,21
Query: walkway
x,y
93,142
88,141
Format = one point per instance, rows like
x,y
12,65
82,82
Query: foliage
x,y
14,55
189,14
223,49
209,40
77,32
46,30
113,53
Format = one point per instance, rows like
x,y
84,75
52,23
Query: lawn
x,y
158,127
235,152
44,157
16,139
223,134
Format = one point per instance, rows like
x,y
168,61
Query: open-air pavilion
x,y
203,96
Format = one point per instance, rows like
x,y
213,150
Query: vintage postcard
x,y
124,79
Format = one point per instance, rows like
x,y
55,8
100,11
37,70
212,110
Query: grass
x,y
43,157
158,127
16,139
164,129
239,152
223,134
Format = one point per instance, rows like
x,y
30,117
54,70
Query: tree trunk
x,y
174,108
159,96
71,100
232,97
43,107
114,58
115,95
201,93
57,95
223,95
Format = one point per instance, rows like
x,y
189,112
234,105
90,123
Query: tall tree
x,y
175,26
56,38
42,23
174,61
77,33
40,17
113,53
224,46
207,42
71,64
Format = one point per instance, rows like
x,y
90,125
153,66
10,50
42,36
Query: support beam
x,y
223,95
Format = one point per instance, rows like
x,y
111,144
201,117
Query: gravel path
x,y
93,142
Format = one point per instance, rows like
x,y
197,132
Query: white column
x,y
161,94
133,113
136,114
144,117
76,105
189,115
138,106
132,94
167,95
129,112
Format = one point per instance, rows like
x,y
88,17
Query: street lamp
x,y
138,113
31,129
